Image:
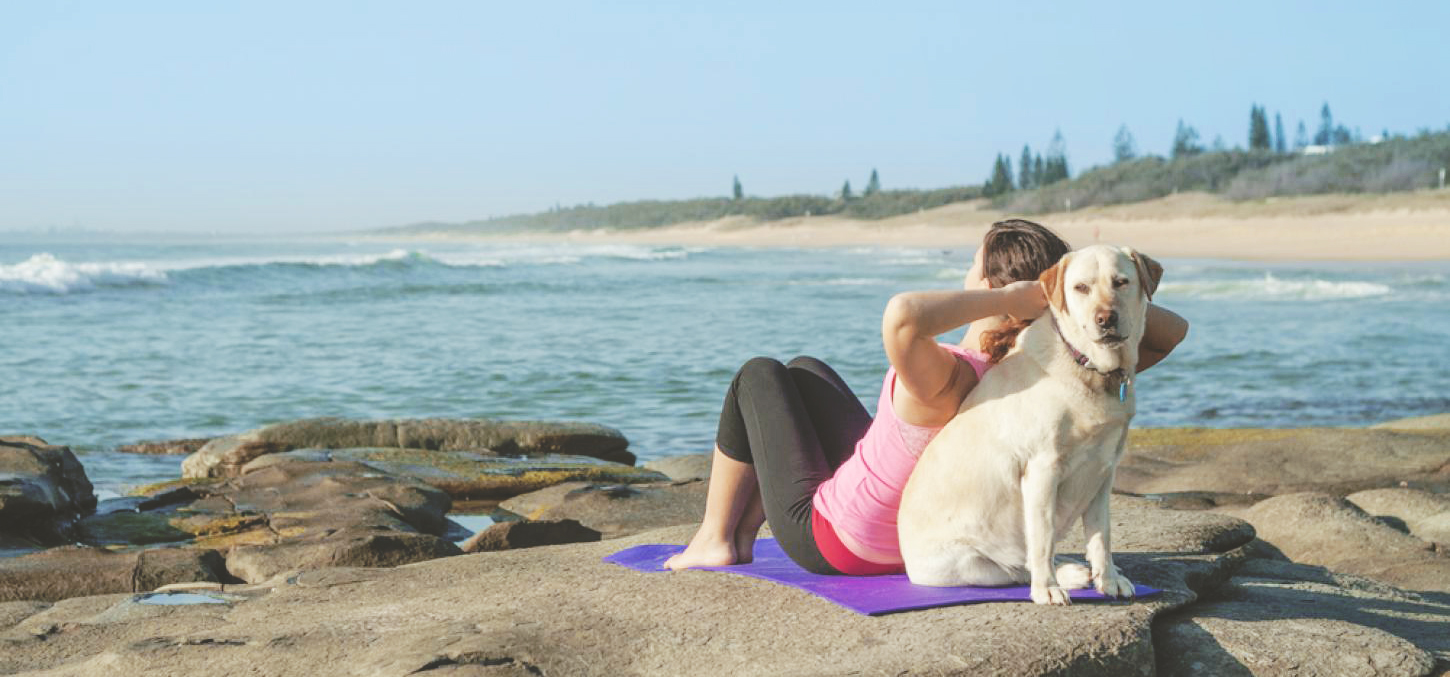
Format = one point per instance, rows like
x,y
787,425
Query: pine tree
x,y
1325,135
846,190
1055,168
873,186
1259,138
1279,146
738,192
1024,170
1185,141
1001,179
1301,136
1123,147
1038,172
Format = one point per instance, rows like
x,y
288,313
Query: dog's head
x,y
1099,297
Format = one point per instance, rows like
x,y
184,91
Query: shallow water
x,y
179,599
112,343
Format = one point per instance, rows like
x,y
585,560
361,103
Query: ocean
x,y
114,342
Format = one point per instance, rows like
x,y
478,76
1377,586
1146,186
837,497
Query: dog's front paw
x,y
1114,584
1050,594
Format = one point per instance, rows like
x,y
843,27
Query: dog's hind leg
x,y
964,566
1073,575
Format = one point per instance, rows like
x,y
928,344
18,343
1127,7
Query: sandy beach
x,y
1399,226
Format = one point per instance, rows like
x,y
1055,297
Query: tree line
x,y
1268,164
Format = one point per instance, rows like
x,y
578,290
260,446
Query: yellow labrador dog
x,y
1035,444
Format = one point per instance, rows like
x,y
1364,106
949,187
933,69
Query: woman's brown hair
x,y
1015,250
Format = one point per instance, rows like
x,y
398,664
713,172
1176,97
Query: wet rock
x,y
126,527
165,447
43,489
1273,462
76,571
1320,529
300,515
529,534
1425,515
224,456
683,468
467,475
615,510
1276,618
12,545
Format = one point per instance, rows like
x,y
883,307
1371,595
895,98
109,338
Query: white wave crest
x,y
45,274
341,260
840,282
1272,287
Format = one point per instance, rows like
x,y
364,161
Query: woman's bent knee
x,y
808,363
758,369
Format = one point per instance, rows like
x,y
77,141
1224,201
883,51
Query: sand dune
x,y
1405,226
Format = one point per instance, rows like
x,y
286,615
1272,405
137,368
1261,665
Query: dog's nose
x,y
1107,318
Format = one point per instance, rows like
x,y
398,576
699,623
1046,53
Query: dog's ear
x,y
1149,272
1052,282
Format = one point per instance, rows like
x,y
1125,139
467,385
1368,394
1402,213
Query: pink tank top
x,y
862,498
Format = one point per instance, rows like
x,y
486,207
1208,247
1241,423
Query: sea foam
x,y
45,274
1272,287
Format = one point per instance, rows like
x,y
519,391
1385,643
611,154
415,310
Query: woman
x,y
796,448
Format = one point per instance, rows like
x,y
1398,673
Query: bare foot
x,y
745,546
703,554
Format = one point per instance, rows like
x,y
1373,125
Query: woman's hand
x,y
1024,300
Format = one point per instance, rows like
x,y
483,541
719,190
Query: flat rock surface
x,y
77,571
560,610
529,534
1424,515
615,510
1320,529
1271,462
1277,618
683,468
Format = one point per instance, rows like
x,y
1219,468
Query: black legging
x,y
796,423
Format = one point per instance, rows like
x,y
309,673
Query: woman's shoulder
x,y
968,369
978,360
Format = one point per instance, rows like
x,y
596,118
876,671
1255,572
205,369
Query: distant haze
x,y
325,116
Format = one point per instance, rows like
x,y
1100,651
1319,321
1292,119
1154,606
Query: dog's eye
x,y
1081,288
1120,282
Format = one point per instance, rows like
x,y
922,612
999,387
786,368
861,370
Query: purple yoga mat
x,y
870,595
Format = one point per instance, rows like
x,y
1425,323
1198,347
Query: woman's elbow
x,y
898,321
1174,334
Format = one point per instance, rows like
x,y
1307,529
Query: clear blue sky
x,y
278,116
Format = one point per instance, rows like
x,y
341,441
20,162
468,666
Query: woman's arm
x,y
932,380
1162,332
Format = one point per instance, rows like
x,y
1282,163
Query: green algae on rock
x,y
469,475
